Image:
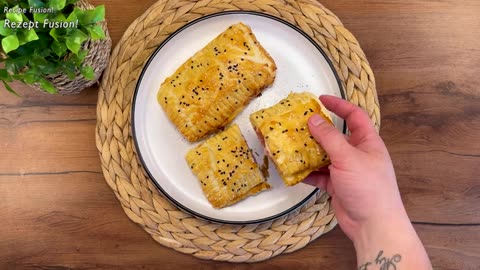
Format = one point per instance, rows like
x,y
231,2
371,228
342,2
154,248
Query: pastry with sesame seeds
x,y
226,168
213,86
283,130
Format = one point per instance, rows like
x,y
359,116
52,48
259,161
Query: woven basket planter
x,y
97,57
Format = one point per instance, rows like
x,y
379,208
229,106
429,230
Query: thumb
x,y
327,135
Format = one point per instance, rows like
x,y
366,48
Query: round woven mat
x,y
140,199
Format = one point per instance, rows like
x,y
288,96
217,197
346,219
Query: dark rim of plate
x,y
188,210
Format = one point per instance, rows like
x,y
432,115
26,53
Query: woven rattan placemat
x,y
138,196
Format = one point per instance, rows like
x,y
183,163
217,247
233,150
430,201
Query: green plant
x,y
50,43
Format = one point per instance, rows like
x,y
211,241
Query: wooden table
x,y
58,212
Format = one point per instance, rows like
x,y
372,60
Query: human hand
x,y
361,179
362,184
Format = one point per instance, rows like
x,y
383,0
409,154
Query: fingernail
x,y
316,120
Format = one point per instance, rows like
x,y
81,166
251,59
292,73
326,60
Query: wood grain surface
x,y
58,212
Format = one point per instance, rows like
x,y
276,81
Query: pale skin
x,y
365,196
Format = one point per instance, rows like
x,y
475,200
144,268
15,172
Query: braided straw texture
x,y
140,199
97,58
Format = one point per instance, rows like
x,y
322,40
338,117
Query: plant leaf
x,y
90,16
69,69
40,17
78,58
10,43
99,14
43,66
10,89
56,33
14,17
56,5
72,17
5,31
58,48
13,65
87,72
30,78
47,86
75,39
5,76
59,18
36,3
96,32
25,36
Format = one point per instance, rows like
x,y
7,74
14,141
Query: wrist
x,y
390,242
380,233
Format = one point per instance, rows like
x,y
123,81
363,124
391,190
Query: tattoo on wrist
x,y
383,262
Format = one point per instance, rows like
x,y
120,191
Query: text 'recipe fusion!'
x,y
36,24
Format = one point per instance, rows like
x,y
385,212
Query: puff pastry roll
x,y
214,85
226,169
283,130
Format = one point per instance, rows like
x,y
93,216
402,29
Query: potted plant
x,y
57,46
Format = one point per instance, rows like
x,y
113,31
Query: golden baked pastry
x,y
226,169
283,129
214,85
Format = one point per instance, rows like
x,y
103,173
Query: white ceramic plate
x,y
301,65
